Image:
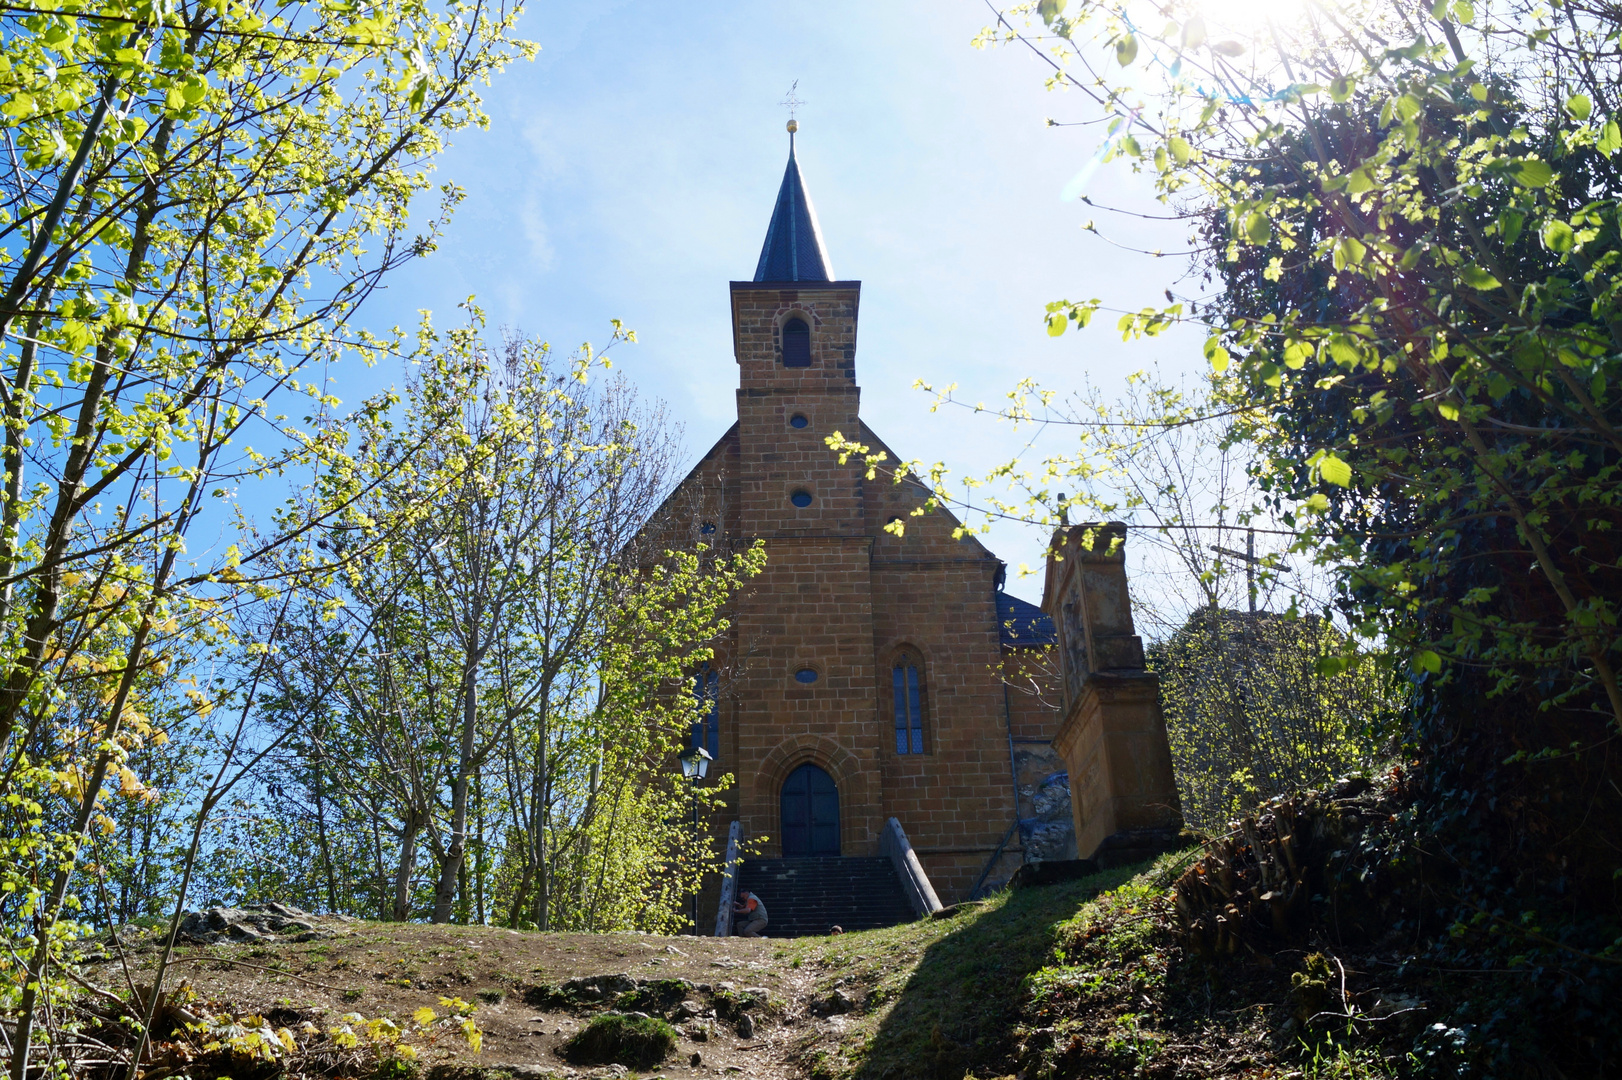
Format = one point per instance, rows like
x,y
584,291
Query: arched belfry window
x,y
796,343
707,689
907,693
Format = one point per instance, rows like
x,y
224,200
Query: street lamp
x,y
695,765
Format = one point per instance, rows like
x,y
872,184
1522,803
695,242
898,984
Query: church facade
x,y
864,675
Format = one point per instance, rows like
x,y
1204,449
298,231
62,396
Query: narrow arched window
x,y
707,689
907,689
796,344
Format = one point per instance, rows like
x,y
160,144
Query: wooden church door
x,y
810,814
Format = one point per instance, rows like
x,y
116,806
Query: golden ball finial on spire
x,y
793,126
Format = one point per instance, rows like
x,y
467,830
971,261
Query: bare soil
x,y
391,970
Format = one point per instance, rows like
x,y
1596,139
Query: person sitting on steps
x,y
748,915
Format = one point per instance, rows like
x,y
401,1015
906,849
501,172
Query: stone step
x,y
811,896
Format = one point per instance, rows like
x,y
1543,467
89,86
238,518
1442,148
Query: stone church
x,y
866,676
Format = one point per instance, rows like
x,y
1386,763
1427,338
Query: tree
x,y
200,196
1252,715
502,679
1411,214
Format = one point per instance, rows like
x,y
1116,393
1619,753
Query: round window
x,y
806,675
798,420
800,498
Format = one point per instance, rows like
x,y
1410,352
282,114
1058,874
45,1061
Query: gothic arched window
x,y
796,343
907,692
707,689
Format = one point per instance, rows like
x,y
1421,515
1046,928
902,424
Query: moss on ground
x,y
639,1042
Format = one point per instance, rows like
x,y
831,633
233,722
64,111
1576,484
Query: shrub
x,y
1252,713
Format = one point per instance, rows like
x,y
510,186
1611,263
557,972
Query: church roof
x,y
793,250
1023,625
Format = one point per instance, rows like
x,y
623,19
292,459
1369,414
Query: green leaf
x,y
1558,237
1428,661
1332,665
1478,91
1126,50
1056,324
1530,172
1448,409
1340,89
1465,12
1579,107
1194,32
1050,10
1610,140
1180,150
1510,223
1349,251
1216,354
1228,48
1477,278
1343,352
1258,230
1439,9
1336,471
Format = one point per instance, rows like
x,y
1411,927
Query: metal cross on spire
x,y
792,102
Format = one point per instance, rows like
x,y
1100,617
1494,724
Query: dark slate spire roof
x,y
793,249
1023,625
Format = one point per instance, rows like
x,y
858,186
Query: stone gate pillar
x,y
1112,736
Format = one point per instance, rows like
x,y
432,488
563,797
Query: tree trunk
x,y
449,871
408,865
321,826
382,879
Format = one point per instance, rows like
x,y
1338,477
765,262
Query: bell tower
x,y
810,694
794,337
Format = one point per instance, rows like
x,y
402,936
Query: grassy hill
x,y
1074,980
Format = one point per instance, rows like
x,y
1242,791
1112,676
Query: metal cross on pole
x,y
792,101
1248,557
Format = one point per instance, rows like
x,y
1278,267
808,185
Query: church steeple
x,y
793,250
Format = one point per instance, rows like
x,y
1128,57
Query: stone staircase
x,y
810,896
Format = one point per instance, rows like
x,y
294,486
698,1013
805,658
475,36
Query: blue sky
x,y
629,173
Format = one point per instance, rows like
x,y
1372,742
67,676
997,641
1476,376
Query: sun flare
x,y
1248,16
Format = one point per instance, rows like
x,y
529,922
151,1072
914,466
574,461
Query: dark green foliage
x,y
1517,802
639,1042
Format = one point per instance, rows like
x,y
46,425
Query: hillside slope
x,y
1072,980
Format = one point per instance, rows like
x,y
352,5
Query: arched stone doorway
x,y
810,813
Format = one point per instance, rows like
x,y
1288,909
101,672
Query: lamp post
x,y
695,765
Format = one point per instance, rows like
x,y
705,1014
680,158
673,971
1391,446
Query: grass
x,y
940,997
615,1039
